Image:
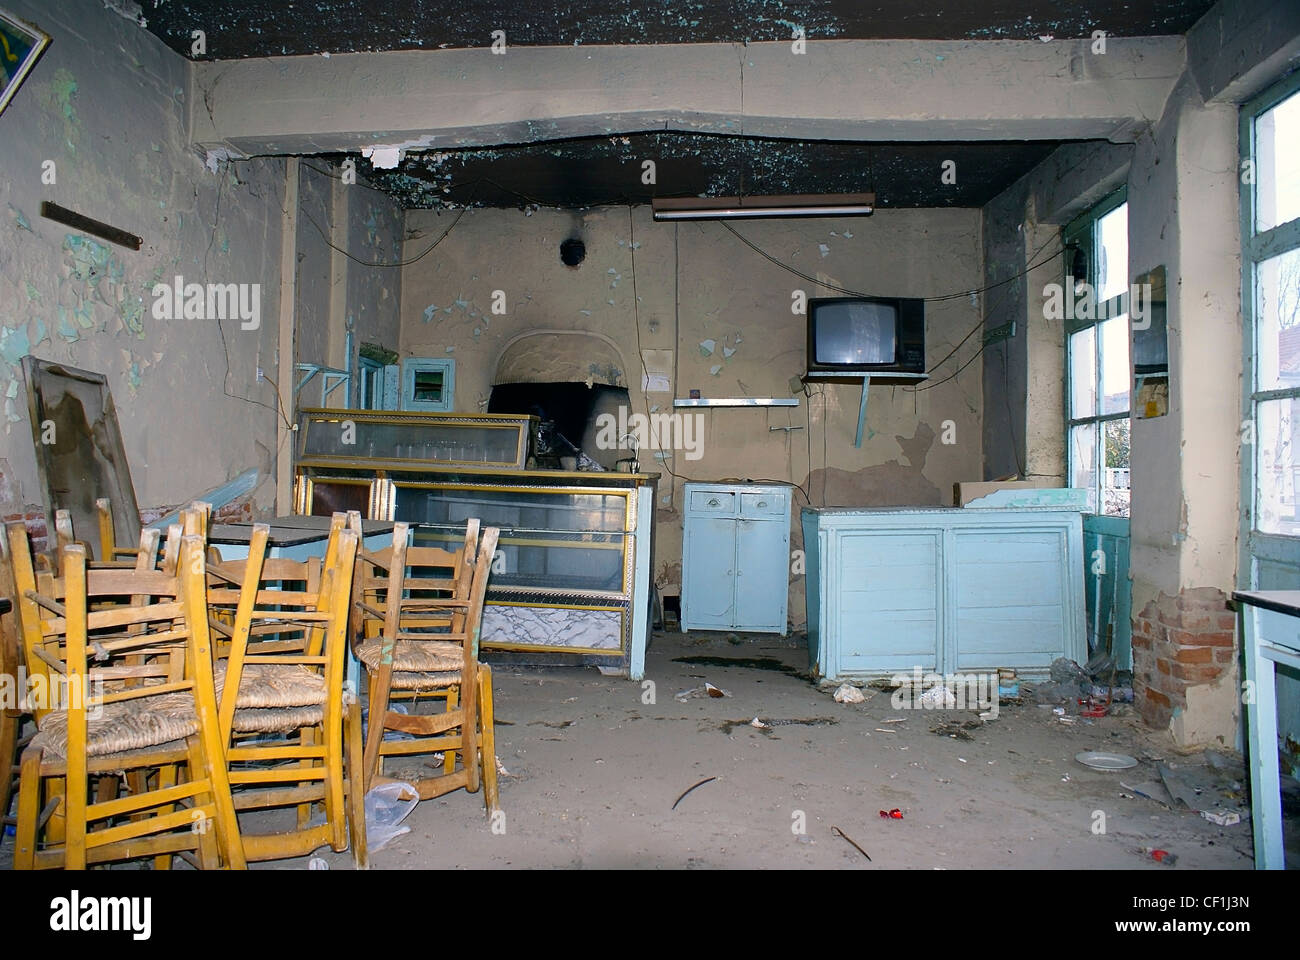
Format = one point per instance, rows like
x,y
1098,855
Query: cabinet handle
x,y
762,503
713,502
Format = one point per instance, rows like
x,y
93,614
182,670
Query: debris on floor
x,y
707,690
690,788
957,729
849,694
840,833
937,698
894,814
386,806
1226,818
1159,856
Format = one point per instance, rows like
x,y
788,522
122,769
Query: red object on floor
x,y
894,814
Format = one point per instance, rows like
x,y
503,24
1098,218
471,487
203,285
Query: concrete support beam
x,y
285,373
904,90
1239,48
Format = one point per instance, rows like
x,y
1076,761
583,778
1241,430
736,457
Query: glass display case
x,y
434,441
571,578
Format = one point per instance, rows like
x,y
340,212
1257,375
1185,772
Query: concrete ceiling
x,y
236,29
597,170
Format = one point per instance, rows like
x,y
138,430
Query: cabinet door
x,y
888,613
709,577
762,559
1010,598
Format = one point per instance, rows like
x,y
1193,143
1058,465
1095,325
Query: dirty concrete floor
x,y
594,772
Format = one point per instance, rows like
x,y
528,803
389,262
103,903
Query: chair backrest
x,y
42,644
423,572
315,610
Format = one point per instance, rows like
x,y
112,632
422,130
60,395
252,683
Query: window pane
x,y
1115,479
1277,316
1277,164
1114,365
1083,373
1112,266
1083,461
428,386
1275,467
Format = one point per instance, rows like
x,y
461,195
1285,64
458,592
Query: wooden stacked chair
x,y
417,617
10,671
131,651
293,739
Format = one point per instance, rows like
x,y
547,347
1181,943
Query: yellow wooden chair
x,y
131,706
10,670
293,737
421,611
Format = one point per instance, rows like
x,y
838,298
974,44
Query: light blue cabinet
x,y
735,557
943,589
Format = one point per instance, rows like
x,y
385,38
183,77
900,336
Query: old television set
x,y
866,337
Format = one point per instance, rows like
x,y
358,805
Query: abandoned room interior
x,y
632,435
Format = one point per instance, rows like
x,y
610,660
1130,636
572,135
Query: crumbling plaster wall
x,y
106,106
1183,195
727,314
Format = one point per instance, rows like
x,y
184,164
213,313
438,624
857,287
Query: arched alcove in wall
x,y
569,377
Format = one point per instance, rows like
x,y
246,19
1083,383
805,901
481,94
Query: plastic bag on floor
x,y
387,805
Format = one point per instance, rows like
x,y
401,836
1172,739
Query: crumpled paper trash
x,y
847,693
937,698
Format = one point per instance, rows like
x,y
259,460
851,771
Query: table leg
x,y
1261,717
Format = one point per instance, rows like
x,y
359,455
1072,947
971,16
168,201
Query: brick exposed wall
x,y
1179,642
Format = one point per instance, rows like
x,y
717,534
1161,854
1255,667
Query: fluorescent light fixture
x,y
756,208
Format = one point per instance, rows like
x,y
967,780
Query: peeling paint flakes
x,y
825,250
728,351
14,344
429,311
707,347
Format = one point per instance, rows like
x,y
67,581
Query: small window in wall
x,y
1270,143
1097,362
428,384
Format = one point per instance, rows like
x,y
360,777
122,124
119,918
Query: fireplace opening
x,y
569,413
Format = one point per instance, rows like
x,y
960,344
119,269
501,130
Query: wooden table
x,y
1270,635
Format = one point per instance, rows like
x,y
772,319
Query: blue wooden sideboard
x,y
945,589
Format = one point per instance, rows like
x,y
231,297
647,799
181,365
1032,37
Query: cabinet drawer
x,y
713,501
763,504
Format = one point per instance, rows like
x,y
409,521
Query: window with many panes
x,y
1271,284
1095,307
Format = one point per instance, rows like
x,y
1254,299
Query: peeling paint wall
x,y
726,312
106,106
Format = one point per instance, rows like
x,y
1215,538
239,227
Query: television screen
x,y
853,332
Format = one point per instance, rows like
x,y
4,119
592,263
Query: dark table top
x,y
289,531
1279,601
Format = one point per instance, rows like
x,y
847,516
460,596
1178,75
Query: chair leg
x,y
8,747
380,684
29,809
166,778
356,787
488,740
449,756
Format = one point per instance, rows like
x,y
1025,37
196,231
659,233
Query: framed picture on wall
x,y
21,46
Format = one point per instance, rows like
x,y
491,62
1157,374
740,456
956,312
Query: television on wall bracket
x,y
881,338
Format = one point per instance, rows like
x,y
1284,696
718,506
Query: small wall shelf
x,y
738,402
